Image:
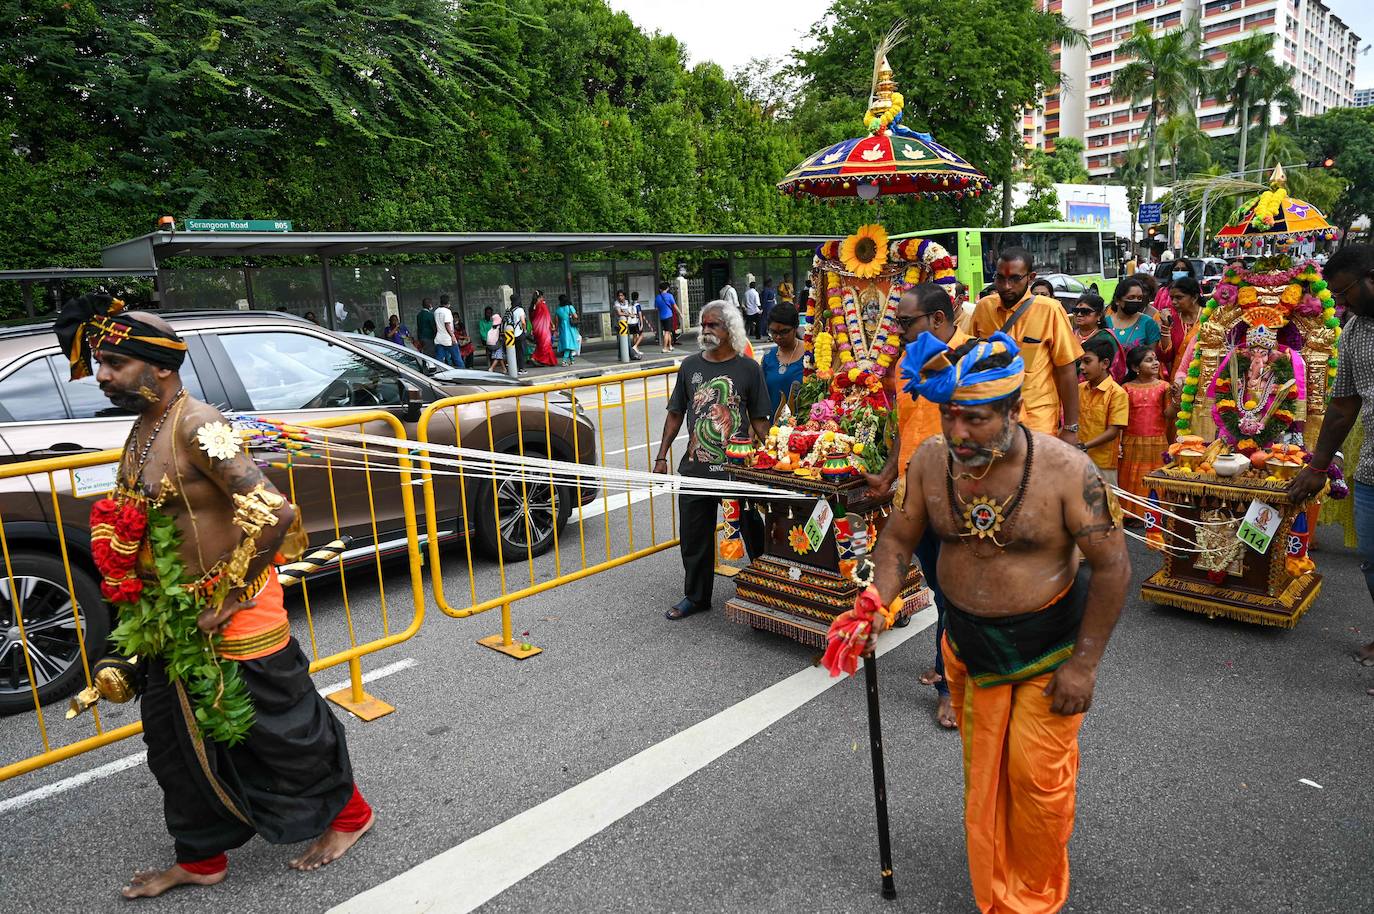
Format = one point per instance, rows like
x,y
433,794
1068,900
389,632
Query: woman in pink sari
x,y
541,322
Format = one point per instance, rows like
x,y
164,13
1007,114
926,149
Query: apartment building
x,y
1308,37
1364,98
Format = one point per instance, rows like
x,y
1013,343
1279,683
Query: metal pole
x,y
328,294
1202,226
875,742
248,288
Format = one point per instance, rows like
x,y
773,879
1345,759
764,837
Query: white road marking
x,y
615,503
71,783
138,758
635,447
1310,783
476,871
370,675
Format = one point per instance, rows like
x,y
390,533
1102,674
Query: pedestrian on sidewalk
x,y
637,326
667,317
496,346
769,295
425,327
568,336
753,308
721,394
730,296
445,348
625,311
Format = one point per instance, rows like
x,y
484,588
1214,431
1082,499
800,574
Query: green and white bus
x,y
1082,253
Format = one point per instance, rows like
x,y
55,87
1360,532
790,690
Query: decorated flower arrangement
x,y
844,429
1251,425
1304,294
835,334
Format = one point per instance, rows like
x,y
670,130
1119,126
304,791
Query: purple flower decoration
x,y
1225,294
1310,306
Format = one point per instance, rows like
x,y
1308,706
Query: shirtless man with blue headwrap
x,y
1025,627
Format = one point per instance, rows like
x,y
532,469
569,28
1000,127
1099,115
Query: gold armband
x,y
252,512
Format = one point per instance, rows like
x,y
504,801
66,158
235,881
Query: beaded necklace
x,y
132,482
983,517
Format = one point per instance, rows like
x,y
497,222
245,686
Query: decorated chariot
x,y
1235,541
838,422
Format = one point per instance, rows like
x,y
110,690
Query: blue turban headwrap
x,y
940,380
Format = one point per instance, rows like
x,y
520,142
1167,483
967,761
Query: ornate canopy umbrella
x,y
1276,217
891,159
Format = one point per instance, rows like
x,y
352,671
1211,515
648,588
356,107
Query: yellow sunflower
x,y
864,252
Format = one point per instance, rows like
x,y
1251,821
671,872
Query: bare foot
x,y
330,846
944,713
151,883
1365,655
930,677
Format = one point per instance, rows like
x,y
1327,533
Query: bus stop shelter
x,y
346,278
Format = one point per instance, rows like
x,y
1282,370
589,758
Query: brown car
x,y
273,365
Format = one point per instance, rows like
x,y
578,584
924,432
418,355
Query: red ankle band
x,y
354,815
207,867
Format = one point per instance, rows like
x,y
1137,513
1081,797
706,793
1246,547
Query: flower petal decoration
x,y
218,440
865,252
796,538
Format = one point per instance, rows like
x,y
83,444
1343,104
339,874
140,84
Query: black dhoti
x,y
287,780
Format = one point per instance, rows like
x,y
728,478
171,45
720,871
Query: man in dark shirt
x,y
425,327
770,298
721,394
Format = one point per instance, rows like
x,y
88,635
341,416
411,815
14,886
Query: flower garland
x,y
160,621
1227,415
1267,207
1236,286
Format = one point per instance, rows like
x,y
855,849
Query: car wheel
x,y
529,511
39,596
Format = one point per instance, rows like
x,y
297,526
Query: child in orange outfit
x,y
1103,408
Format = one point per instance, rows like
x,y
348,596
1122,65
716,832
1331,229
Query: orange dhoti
x,y
1020,773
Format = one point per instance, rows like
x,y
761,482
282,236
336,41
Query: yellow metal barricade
x,y
69,478
472,417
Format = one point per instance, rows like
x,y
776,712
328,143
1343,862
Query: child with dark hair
x,y
1152,406
1103,408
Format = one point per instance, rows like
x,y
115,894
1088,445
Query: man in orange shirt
x,y
1047,342
925,307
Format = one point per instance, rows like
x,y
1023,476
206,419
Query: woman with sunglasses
x,y
1089,323
782,365
1128,323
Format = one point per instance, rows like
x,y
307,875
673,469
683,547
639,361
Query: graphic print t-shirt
x,y
716,400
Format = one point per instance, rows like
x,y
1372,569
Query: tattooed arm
x,y
257,502
1088,518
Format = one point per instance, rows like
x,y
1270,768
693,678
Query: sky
x,y
730,32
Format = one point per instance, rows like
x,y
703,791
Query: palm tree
x,y
1275,88
1248,74
1167,70
1184,139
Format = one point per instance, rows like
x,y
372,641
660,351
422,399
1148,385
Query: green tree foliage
x,y
534,115
1042,205
1249,79
1347,136
1166,69
1065,163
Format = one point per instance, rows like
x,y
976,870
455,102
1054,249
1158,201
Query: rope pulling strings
x,y
292,440
307,447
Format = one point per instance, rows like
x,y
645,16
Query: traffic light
x,y
1328,162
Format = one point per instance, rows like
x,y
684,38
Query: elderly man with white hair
x,y
721,394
